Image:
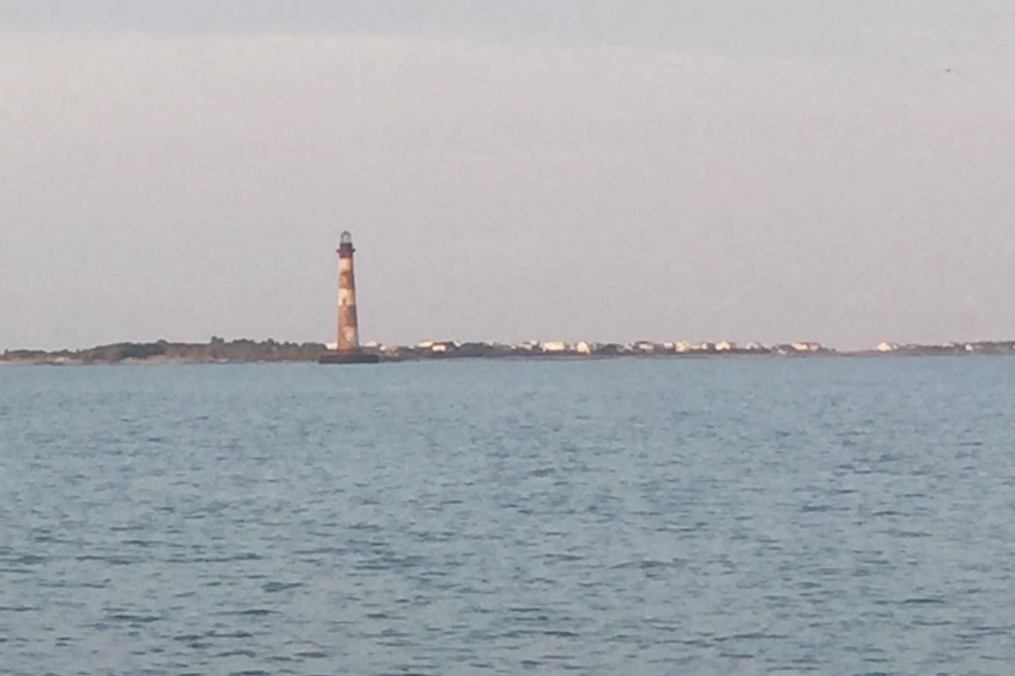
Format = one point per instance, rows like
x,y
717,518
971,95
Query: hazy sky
x,y
841,170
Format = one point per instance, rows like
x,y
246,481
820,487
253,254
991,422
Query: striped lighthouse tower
x,y
348,322
348,350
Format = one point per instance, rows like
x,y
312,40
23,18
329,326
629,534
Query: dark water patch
x,y
112,560
187,638
276,587
926,601
133,618
239,634
49,538
321,551
370,566
25,560
651,564
907,534
981,631
560,633
252,612
236,558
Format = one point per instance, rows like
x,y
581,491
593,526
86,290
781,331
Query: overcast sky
x,y
841,171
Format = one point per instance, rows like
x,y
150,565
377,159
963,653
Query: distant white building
x,y
439,346
725,346
887,347
807,347
683,346
555,346
585,347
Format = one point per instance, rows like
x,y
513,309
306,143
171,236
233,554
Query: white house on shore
x,y
438,346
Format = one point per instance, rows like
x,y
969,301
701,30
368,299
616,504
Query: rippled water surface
x,y
741,516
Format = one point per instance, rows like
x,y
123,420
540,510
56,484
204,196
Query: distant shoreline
x,y
243,351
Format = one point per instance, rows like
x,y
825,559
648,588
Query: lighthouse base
x,y
349,357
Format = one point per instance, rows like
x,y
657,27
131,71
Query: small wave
x,y
187,638
232,634
144,544
558,633
908,533
27,560
249,556
112,560
650,564
252,612
134,619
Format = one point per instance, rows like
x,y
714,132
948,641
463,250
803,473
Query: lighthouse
x,y
348,322
348,350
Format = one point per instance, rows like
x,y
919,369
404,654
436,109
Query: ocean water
x,y
718,516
